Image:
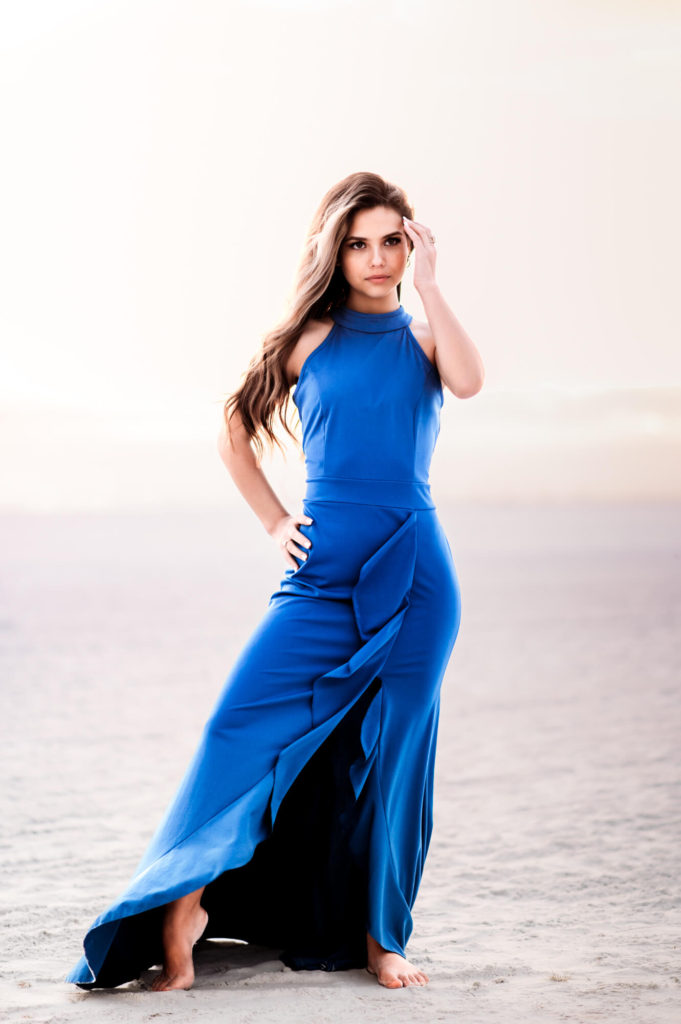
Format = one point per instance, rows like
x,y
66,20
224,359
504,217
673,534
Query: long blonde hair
x,y
318,288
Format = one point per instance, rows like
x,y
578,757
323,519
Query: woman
x,y
304,818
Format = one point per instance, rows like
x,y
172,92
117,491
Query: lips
x,y
378,277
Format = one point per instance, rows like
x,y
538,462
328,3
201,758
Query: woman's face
x,y
376,244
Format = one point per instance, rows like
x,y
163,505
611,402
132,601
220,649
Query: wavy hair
x,y
319,287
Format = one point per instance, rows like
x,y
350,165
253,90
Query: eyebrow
x,y
359,238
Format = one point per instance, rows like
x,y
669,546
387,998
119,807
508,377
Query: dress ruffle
x,y
126,938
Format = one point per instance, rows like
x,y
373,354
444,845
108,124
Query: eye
x,y
396,239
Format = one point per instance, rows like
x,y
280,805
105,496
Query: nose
x,y
377,257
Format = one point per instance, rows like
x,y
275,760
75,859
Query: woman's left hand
x,y
424,248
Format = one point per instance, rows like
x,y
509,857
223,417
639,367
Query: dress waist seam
x,y
407,494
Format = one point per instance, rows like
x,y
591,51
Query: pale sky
x,y
162,161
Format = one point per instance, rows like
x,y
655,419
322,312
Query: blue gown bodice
x,y
369,401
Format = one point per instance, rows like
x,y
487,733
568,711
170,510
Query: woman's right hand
x,y
286,534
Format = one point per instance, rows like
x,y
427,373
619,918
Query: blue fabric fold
x,y
228,840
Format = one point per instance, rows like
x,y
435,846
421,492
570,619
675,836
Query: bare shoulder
x,y
312,335
424,336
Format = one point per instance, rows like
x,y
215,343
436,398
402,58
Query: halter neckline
x,y
374,323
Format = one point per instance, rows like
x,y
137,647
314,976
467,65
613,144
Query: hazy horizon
x,y
547,444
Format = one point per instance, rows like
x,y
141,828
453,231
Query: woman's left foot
x,y
182,929
391,969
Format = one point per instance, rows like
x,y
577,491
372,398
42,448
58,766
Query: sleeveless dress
x,y
307,808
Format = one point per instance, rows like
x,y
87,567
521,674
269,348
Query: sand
x,y
551,889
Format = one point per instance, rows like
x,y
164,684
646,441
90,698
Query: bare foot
x,y
183,926
391,969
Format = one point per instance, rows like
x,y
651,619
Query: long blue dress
x,y
307,808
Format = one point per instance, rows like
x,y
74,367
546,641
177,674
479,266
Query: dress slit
x,y
304,890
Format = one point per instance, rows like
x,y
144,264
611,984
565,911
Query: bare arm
x,y
249,478
456,357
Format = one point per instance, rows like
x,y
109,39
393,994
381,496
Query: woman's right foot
x,y
182,927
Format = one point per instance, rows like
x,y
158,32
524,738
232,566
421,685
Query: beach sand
x,y
551,888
